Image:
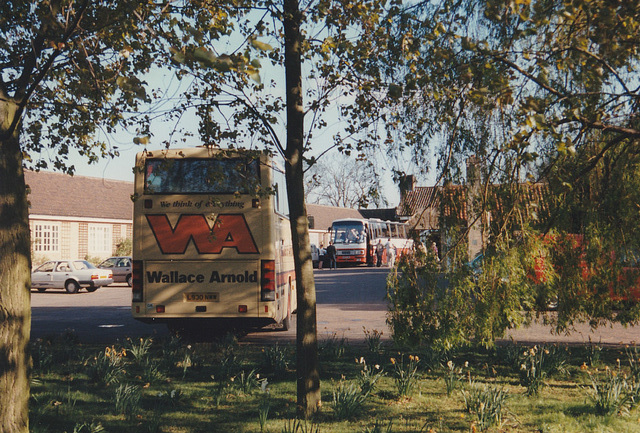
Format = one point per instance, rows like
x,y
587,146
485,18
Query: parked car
x,y
70,275
315,256
121,268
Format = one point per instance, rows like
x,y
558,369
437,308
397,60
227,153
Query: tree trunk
x,y
15,279
308,377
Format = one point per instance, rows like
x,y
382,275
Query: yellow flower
x,y
393,361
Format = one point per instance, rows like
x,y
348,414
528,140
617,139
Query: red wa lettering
x,y
229,231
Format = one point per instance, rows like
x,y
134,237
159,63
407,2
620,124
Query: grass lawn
x,y
227,386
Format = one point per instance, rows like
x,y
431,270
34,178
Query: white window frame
x,y
100,239
46,237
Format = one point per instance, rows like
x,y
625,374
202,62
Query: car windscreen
x,y
109,263
348,233
201,176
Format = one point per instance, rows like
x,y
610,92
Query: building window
x,y
100,239
46,237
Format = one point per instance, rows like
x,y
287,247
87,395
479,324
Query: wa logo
x,y
228,231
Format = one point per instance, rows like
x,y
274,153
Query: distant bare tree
x,y
345,182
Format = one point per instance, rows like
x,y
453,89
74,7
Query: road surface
x,y
350,301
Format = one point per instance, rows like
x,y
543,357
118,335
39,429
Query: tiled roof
x,y
415,202
323,215
422,197
388,214
59,194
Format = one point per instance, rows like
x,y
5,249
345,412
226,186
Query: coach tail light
x,y
267,280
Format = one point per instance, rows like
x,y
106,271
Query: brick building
x,y
77,216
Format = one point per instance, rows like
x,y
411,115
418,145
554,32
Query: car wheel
x,y
72,287
129,280
91,289
42,289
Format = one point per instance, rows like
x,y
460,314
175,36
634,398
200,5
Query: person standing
x,y
321,254
391,253
379,253
331,253
434,249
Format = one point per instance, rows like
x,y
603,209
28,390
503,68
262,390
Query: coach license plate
x,y
202,297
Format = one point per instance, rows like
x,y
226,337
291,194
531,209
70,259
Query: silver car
x,y
121,268
70,275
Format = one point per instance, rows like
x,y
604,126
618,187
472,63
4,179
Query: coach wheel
x,y
286,322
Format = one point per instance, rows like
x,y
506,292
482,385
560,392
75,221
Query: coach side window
x,y
280,186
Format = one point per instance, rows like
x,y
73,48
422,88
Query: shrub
x,y
124,247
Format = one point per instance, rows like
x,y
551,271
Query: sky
x,y
121,167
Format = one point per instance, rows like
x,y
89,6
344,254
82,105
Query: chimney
x,y
473,170
476,216
406,183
